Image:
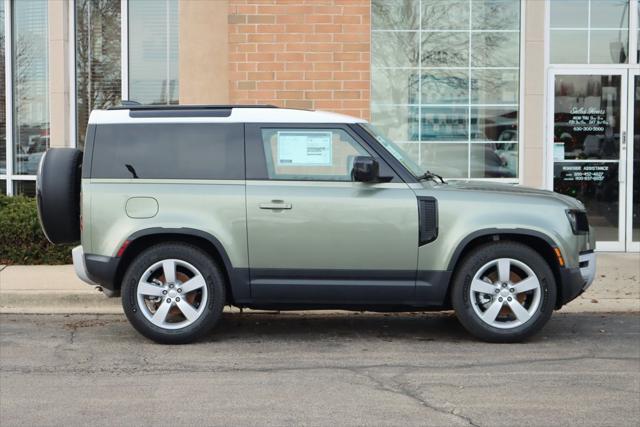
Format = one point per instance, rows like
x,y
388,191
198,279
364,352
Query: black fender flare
x,y
495,232
238,277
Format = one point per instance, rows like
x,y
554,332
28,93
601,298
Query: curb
x,y
58,303
96,303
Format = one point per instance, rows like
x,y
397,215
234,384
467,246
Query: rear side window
x,y
169,151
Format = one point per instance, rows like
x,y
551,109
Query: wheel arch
x,y
143,239
540,242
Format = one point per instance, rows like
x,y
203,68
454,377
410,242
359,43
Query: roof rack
x,y
133,105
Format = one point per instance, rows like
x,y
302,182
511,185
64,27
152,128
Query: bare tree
x,y
98,58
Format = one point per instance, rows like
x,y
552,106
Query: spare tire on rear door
x,y
58,194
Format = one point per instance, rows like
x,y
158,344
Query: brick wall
x,y
312,54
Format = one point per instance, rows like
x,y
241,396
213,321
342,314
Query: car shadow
x,y
292,326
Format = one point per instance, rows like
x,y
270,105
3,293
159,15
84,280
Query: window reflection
x,y
496,15
493,160
450,160
445,87
24,188
589,31
596,185
444,49
394,86
495,86
494,124
395,49
495,49
31,88
399,122
153,51
444,124
98,67
609,46
569,46
445,15
587,117
445,73
394,15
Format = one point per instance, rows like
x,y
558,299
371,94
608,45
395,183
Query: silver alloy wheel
x,y
172,294
505,293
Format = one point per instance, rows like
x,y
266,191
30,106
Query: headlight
x,y
578,220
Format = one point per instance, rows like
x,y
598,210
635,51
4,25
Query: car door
x,y
314,235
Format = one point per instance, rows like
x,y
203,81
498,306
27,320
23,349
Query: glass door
x,y
587,150
633,163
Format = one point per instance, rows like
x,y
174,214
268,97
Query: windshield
x,y
395,150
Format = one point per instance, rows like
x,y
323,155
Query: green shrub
x,y
21,238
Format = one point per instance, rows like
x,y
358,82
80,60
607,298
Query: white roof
x,y
238,115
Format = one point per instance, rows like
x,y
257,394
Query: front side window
x,y
309,154
445,83
396,151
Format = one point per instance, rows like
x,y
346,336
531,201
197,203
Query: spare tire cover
x,y
58,194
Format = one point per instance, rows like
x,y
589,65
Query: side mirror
x,y
365,169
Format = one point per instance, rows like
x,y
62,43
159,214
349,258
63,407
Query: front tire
x,y
173,293
503,292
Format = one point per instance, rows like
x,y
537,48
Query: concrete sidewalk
x,y
56,289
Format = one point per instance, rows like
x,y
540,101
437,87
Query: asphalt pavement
x,y
315,369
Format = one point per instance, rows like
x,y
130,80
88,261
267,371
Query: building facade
x,y
542,93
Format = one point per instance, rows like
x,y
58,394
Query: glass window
x,y
586,146
98,67
448,83
310,154
445,86
31,87
169,151
445,49
398,122
24,188
396,49
589,31
445,15
153,51
3,113
395,15
587,117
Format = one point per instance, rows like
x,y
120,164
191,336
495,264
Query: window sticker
x,y
304,148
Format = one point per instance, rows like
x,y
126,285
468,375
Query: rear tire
x,y
173,293
503,292
58,194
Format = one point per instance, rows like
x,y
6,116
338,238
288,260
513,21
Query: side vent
x,y
428,219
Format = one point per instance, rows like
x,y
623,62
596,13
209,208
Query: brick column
x,y
312,54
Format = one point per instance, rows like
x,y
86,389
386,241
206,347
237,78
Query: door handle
x,y
276,205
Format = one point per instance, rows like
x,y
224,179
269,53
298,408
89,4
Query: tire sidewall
x,y
471,265
215,293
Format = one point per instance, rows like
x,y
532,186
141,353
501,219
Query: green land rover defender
x,y
182,210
